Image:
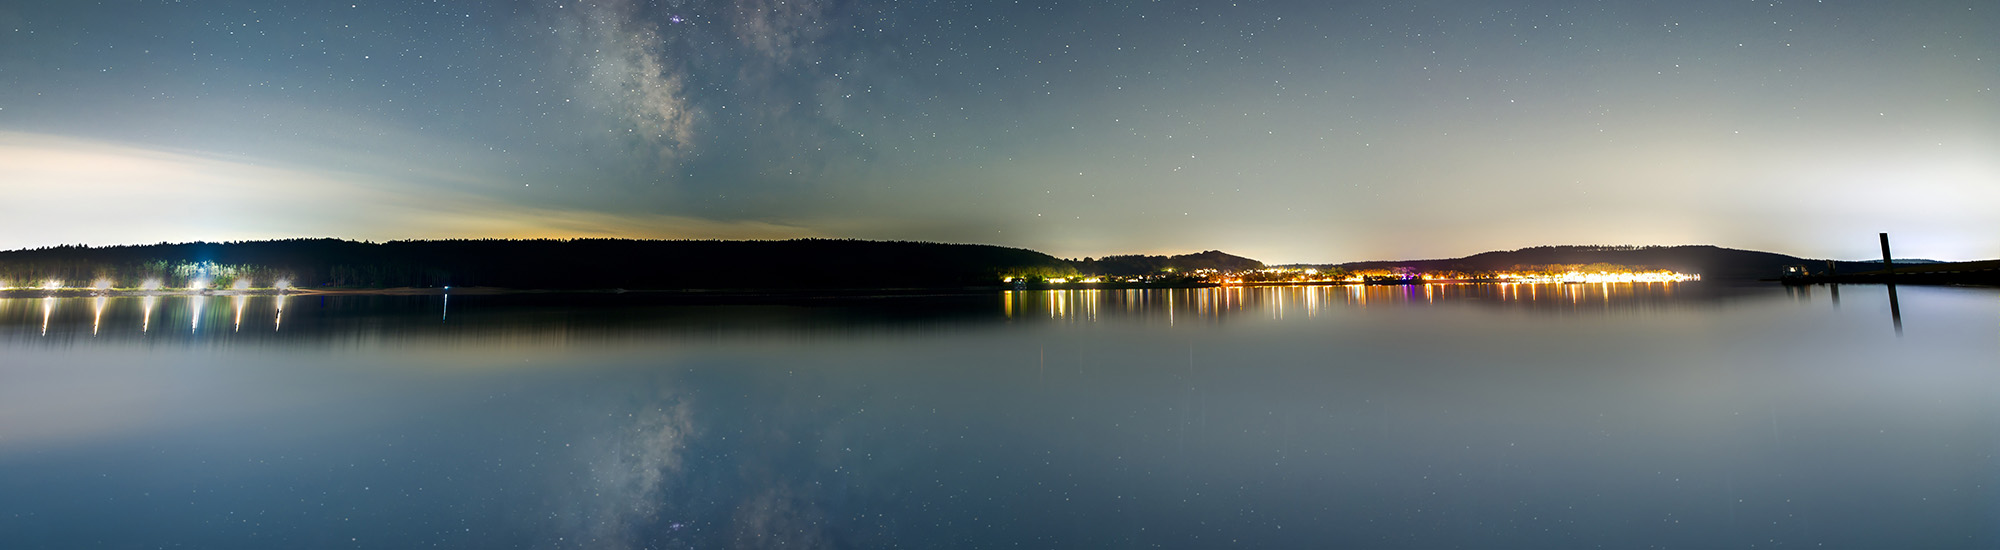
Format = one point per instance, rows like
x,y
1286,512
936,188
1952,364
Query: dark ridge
x,y
1712,262
540,264
1143,265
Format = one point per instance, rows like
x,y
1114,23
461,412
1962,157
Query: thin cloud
x,y
67,190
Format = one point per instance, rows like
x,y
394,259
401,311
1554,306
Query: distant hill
x,y
1142,265
793,264
1712,262
544,264
1899,261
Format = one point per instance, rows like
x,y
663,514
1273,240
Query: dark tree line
x,y
1146,265
549,264
1712,262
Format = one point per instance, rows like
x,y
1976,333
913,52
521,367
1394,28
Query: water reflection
x,y
1895,309
1511,416
241,302
1804,294
195,310
516,320
1205,304
146,304
97,313
582,319
542,319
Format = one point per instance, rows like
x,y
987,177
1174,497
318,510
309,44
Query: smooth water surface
x,y
1478,416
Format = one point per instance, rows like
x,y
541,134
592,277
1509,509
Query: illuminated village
x,y
1281,276
204,283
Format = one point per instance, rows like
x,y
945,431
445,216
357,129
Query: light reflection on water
x,y
537,319
1513,416
1173,305
321,317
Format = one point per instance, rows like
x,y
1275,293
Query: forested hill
x,y
546,264
1712,262
1142,265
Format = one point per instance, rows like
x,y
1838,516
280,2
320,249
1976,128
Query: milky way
x,y
1286,131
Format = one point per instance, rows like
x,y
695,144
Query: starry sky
x,y
1287,131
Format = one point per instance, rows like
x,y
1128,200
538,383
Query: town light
x,y
1601,277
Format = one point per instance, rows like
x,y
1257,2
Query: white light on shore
x,y
51,284
101,284
286,284
150,284
241,284
197,284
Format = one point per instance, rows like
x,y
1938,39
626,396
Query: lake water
x,y
1697,415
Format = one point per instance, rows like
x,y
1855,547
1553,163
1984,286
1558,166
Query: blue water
x,y
1696,415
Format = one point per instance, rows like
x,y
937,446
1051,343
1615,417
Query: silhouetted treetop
x,y
1712,262
540,263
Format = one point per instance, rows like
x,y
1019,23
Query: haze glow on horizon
x,y
1285,131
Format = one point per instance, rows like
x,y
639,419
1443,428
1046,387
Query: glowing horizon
x,y
1290,133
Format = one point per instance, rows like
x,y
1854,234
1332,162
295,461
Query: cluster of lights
x,y
1568,277
1602,277
1061,280
1315,275
149,285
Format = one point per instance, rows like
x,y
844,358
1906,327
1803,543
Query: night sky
x,y
1303,131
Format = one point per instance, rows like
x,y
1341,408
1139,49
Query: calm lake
x,y
1691,415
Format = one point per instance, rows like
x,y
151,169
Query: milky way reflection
x,y
1289,417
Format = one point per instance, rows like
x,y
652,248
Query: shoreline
x,y
487,291
686,292
127,292
1975,273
